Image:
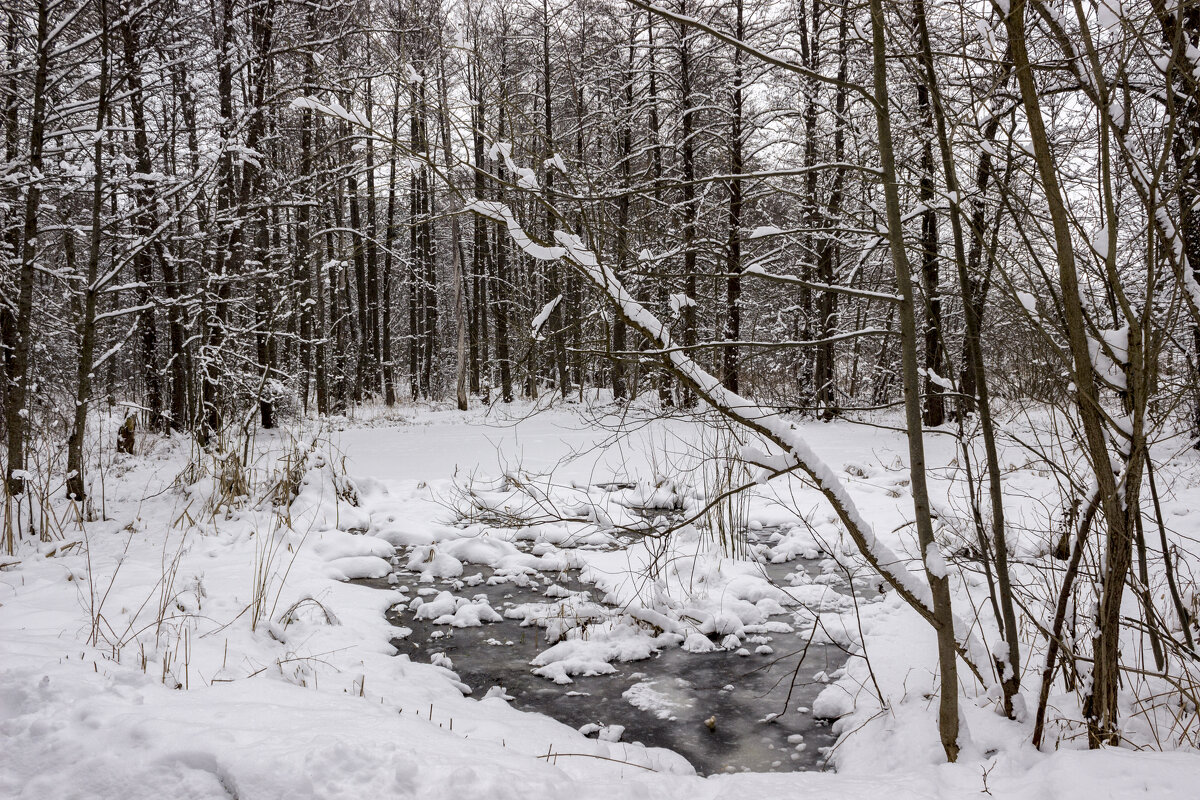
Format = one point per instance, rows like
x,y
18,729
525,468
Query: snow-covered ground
x,y
193,644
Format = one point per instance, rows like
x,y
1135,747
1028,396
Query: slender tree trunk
x,y
502,287
144,225
15,412
1100,705
426,267
361,330
259,74
186,373
333,332
553,287
12,195
174,265
389,257
1181,37
689,207
665,394
1009,666
812,365
456,255
620,388
413,272
76,477
935,406
733,247
935,567
825,366
311,341
373,341
978,232
228,232
479,248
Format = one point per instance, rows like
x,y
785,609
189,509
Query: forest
x,y
976,224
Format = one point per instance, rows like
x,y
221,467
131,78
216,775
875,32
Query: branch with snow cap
x,y
499,212
525,177
544,316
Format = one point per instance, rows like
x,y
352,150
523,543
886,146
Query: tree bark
x,y
76,477
15,411
935,568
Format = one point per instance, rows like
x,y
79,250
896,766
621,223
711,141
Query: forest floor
x,y
202,639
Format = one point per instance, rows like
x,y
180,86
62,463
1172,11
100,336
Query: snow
x,y
305,698
938,380
351,567
663,697
697,642
542,316
1109,354
525,177
679,302
457,612
935,562
501,213
432,563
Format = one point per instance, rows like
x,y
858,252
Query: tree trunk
x,y
76,477
1100,705
935,568
688,208
935,406
144,225
1008,666
733,247
554,287
665,395
15,412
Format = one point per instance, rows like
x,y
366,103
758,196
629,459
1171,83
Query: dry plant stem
x,y
977,519
787,701
862,640
726,514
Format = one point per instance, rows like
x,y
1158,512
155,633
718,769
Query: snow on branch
x,y
525,177
540,320
496,210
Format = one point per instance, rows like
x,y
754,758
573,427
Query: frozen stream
x,y
668,700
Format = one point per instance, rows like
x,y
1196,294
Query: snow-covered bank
x,y
288,686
